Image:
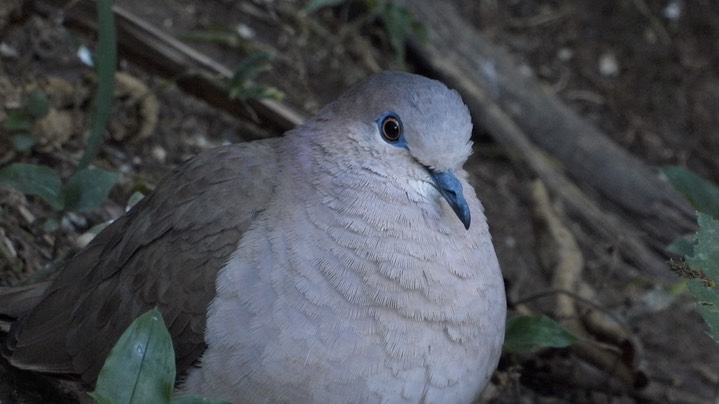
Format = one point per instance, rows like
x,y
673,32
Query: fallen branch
x,y
158,52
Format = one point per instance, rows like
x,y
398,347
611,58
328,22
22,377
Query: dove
x,y
348,261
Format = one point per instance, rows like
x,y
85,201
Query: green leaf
x,y
527,333
37,104
399,23
707,304
100,399
51,224
315,5
702,194
141,366
706,250
241,84
256,92
18,122
87,188
105,64
33,180
197,400
706,259
253,65
23,142
683,245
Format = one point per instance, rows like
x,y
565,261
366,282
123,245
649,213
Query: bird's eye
x,y
391,128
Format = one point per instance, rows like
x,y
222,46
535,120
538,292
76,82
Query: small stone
x,y
159,153
244,31
673,10
608,64
565,54
8,52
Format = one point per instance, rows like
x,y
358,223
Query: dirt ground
x,y
644,71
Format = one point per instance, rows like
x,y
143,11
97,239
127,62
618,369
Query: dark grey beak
x,y
451,189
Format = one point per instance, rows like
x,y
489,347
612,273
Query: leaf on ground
x,y
683,246
400,24
251,67
706,259
707,304
18,122
141,366
87,188
105,62
315,5
37,104
196,400
702,194
706,250
23,142
527,333
241,85
34,180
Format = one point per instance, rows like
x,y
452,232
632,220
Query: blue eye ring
x,y
390,126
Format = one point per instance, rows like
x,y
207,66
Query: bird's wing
x,y
165,252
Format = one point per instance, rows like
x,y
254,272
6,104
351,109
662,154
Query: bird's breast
x,y
350,307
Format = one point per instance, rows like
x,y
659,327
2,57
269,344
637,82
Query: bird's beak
x,y
451,189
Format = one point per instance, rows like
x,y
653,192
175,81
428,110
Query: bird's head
x,y
408,128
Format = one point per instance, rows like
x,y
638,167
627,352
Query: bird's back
x,y
165,252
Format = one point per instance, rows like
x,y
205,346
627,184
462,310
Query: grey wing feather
x,y
165,252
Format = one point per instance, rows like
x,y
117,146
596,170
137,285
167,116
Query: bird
x,y
347,261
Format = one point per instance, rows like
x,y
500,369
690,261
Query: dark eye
x,y
391,128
